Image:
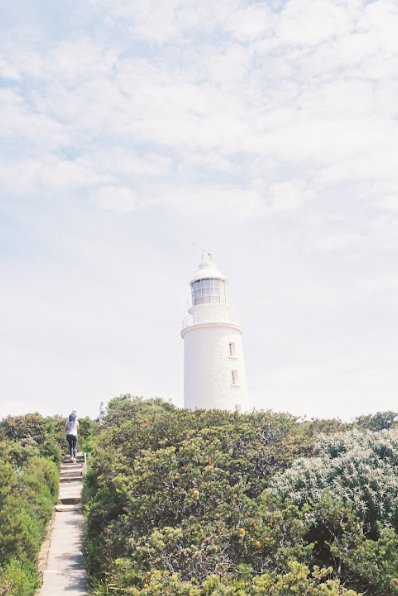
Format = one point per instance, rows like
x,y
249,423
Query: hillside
x,y
208,502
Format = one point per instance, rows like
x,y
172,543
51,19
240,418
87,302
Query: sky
x,y
137,134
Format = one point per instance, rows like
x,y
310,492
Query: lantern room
x,y
208,285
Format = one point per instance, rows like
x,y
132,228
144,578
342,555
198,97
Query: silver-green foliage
x,y
357,468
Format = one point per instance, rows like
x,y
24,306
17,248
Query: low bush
x,y
178,502
359,469
28,492
349,490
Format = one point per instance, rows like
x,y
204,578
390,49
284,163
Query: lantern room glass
x,y
208,291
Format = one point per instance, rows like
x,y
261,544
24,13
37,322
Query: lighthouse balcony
x,y
203,316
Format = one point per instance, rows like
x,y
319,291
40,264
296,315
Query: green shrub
x,y
349,491
28,492
378,421
174,500
18,579
211,502
35,431
370,566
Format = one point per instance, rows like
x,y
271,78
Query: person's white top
x,y
72,427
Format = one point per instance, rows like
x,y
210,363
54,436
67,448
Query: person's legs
x,y
74,447
69,438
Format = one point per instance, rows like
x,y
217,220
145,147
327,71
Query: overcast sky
x,y
135,134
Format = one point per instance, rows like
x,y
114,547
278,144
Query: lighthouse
x,y
214,367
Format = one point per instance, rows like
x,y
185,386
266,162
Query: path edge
x,y
44,551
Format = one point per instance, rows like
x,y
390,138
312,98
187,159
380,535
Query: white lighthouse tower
x,y
214,368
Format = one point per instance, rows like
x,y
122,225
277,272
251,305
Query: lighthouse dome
x,y
208,270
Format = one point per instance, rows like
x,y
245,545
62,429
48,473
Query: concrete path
x,y
65,571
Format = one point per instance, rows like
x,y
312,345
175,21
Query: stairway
x,y
65,571
71,484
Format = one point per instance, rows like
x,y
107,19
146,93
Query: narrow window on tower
x,y
232,349
235,380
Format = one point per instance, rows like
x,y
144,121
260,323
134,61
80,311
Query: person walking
x,y
72,427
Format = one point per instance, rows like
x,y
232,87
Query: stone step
x,y
70,478
69,462
72,474
68,467
71,500
71,471
67,458
70,489
65,508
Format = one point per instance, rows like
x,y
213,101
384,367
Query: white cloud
x,y
310,22
284,197
388,201
117,198
73,61
20,123
8,70
338,241
250,22
161,22
382,18
47,174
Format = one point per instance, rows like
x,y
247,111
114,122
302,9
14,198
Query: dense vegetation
x,y
28,491
30,449
209,502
